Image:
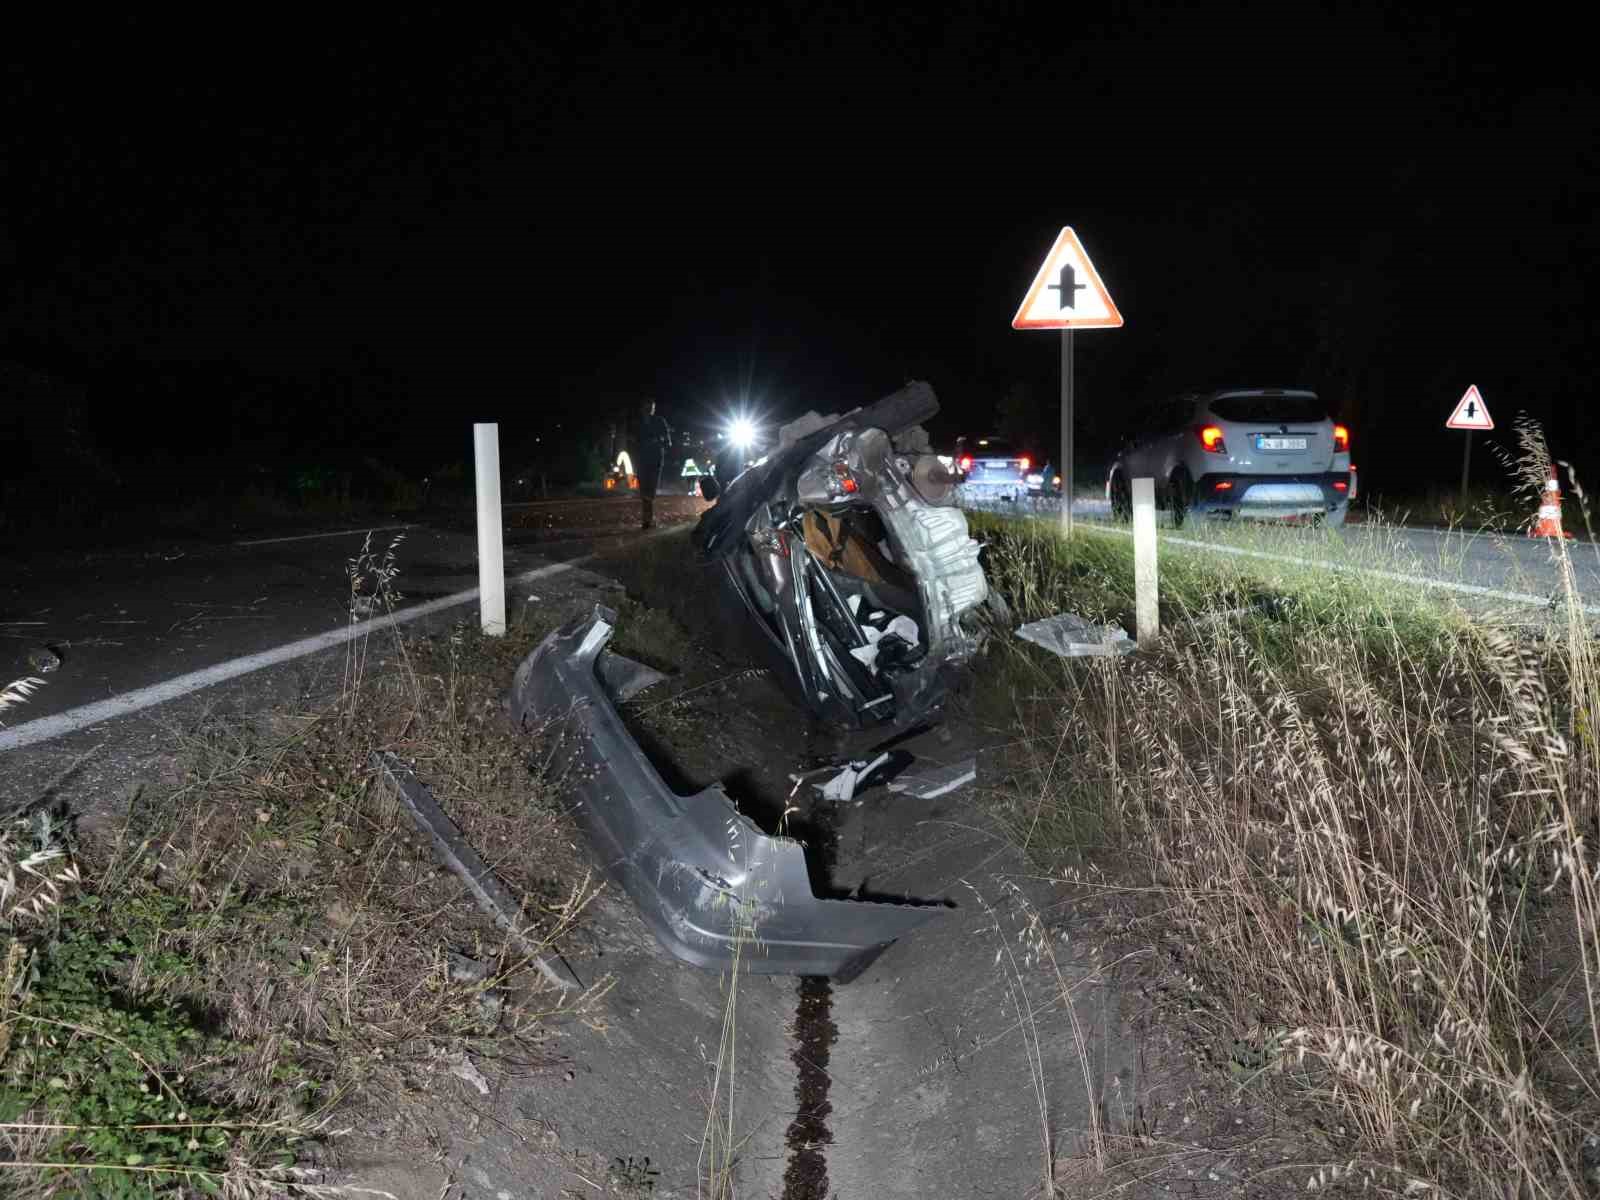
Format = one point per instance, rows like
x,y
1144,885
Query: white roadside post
x,y
491,547
1146,597
1054,302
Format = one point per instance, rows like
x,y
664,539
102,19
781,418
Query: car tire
x,y
1180,496
1121,497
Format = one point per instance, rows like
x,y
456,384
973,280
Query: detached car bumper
x,y
1271,495
716,891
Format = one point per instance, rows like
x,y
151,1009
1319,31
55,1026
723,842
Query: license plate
x,y
1280,443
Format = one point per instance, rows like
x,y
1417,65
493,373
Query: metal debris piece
x,y
926,782
454,852
843,786
1070,636
717,891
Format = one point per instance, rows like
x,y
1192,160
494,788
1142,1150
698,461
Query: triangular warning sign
x,y
1471,413
1067,292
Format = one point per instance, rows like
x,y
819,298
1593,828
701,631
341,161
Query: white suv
x,y
1248,452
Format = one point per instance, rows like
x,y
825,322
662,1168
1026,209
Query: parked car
x,y
1262,453
992,468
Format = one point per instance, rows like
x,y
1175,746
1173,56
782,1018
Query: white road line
x,y
306,537
1466,589
43,729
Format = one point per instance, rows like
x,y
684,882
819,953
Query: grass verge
x,y
1366,828
200,995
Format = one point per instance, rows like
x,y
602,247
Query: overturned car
x,y
844,550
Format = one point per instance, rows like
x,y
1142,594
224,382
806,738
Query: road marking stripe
x,y
43,729
306,537
1468,589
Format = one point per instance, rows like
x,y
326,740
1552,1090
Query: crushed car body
x,y
846,553
715,889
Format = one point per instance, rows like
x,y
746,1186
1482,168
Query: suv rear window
x,y
987,447
1274,410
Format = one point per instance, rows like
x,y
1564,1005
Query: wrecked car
x,y
844,551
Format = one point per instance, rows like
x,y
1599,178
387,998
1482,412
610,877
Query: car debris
x,y
717,891
935,780
1070,636
454,852
845,552
844,781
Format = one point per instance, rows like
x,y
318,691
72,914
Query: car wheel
x,y
1180,495
1121,498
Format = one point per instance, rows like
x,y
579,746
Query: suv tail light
x,y
1341,439
1211,439
1024,463
965,464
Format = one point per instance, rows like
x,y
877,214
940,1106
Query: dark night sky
x,y
330,236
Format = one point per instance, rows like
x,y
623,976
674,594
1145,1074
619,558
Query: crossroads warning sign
x,y
1471,412
1067,292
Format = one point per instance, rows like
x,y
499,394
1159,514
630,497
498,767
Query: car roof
x,y
1221,393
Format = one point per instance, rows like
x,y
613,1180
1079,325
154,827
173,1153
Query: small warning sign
x,y
1470,413
1067,292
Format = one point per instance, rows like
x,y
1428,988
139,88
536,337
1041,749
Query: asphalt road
x,y
122,619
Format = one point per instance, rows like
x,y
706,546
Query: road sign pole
x,y
1466,466
1066,433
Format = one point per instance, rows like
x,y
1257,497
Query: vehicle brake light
x,y
1211,439
1024,463
1223,485
1341,485
1341,439
966,463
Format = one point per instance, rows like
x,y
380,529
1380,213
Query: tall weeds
x,y
1381,852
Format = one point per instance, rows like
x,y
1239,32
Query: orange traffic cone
x,y
1548,522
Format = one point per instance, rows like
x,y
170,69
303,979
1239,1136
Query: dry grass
x,y
1373,848
280,895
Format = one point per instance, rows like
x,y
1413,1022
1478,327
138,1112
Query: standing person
x,y
655,446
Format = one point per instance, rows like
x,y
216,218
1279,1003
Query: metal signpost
x,y
1067,294
1471,413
